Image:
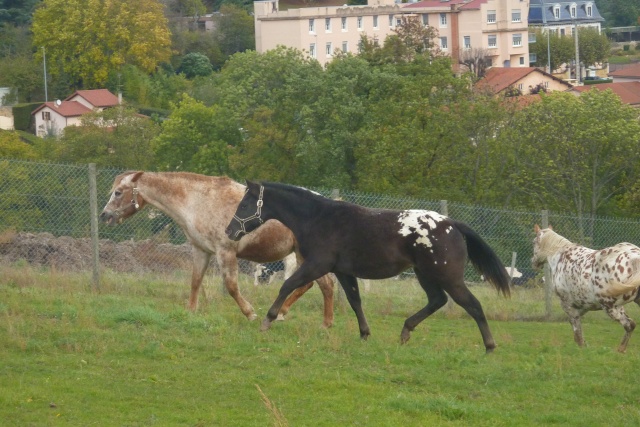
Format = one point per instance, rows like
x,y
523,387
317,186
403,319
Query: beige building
x,y
497,29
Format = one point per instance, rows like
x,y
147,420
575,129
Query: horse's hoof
x,y
327,325
252,317
404,336
266,324
280,317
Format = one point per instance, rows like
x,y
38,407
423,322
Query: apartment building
x,y
497,28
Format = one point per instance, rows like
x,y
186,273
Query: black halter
x,y
243,221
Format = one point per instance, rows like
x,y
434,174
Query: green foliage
x,y
22,115
234,30
17,12
24,76
158,90
12,147
196,138
562,48
113,33
195,64
114,137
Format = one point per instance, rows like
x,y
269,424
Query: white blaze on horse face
x,y
419,222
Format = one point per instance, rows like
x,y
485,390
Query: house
x,y
562,17
629,92
52,117
627,73
520,81
498,27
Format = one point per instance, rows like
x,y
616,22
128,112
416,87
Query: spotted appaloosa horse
x,y
588,280
352,241
202,206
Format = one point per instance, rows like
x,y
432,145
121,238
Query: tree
x,y
116,137
235,30
574,153
195,64
90,39
594,46
562,49
23,76
476,59
12,147
17,12
196,138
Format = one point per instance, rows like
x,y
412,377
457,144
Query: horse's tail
x,y
617,288
484,259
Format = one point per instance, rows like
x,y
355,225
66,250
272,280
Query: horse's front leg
x,y
200,263
351,290
303,275
229,268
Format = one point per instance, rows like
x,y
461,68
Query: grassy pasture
x,y
131,355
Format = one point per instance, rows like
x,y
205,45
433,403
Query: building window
x,y
344,24
329,49
312,50
359,22
312,25
532,37
520,86
327,24
46,115
517,40
425,19
467,42
443,19
398,22
390,21
515,15
589,10
345,46
375,21
493,41
522,60
443,43
556,11
573,10
532,58
562,31
491,17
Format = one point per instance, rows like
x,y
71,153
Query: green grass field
x,y
131,355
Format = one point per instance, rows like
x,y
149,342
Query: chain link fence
x,y
45,219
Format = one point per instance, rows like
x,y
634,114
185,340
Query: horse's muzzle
x,y
109,218
234,234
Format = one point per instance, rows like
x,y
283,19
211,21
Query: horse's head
x,y
539,248
124,201
248,214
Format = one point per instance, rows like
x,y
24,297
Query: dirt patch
x,y
71,254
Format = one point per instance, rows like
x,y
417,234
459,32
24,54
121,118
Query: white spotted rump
x,y
420,223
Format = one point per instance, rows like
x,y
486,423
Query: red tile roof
x,y
97,97
631,71
66,108
498,79
629,92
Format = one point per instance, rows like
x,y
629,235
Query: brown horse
x,y
203,206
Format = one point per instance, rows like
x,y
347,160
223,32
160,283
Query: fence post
x,y
514,255
547,272
93,208
444,208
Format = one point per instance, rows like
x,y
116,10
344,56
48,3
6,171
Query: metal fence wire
x,y
45,211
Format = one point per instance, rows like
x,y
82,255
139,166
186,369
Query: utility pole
x,y
44,64
544,25
578,79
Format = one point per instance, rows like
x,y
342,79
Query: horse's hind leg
x,y
464,298
618,313
436,299
295,296
350,286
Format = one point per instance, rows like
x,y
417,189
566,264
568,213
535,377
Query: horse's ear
x,y
536,228
136,176
251,184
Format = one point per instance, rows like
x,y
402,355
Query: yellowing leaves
x,y
90,39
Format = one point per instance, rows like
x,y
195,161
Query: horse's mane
x,y
552,242
304,193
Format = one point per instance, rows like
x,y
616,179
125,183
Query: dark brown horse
x,y
352,241
202,206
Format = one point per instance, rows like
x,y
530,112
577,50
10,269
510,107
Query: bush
x,y
626,47
22,115
637,46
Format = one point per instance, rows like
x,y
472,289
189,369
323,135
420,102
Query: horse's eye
x,y
117,193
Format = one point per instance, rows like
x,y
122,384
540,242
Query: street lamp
x,y
44,64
